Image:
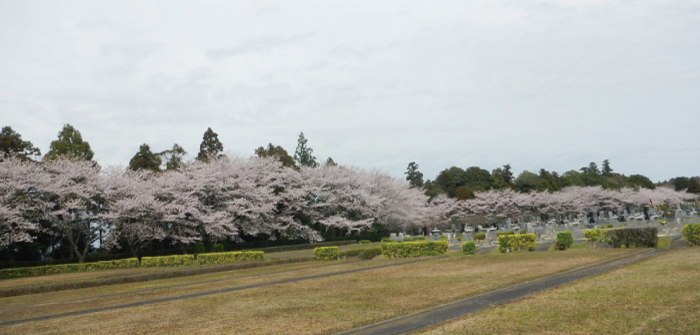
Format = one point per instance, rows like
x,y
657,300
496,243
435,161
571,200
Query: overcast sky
x,y
377,84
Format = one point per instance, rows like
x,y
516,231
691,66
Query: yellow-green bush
x,y
593,235
414,249
327,253
691,232
517,243
174,260
468,248
229,257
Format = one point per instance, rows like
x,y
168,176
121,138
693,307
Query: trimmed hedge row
x,y
517,243
469,248
326,253
691,232
632,238
229,257
174,260
414,249
68,268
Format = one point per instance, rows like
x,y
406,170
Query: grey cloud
x,y
255,45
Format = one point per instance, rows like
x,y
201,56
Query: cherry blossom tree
x,y
18,200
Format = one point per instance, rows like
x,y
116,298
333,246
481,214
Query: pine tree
x,y
210,147
304,155
69,144
145,160
277,152
413,176
12,145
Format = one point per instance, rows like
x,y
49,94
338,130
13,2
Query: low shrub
x,y
68,268
517,243
230,257
199,248
174,260
479,236
468,248
370,253
691,232
387,240
436,248
420,238
364,242
459,237
326,253
407,239
632,238
218,247
564,240
501,233
443,238
610,225
593,235
414,249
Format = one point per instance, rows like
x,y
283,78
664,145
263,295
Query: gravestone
x,y
467,237
400,237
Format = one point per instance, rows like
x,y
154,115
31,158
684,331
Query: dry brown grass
x,y
322,305
660,295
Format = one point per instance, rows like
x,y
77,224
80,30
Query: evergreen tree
x,y
12,145
210,147
304,155
331,162
173,157
69,144
278,152
607,170
413,176
145,160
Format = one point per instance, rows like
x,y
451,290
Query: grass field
x,y
656,296
315,306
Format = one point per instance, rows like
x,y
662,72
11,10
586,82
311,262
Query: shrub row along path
x,y
205,293
434,316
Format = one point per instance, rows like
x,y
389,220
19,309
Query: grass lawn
x,y
660,296
318,306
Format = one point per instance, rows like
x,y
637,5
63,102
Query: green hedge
x,y
468,248
68,268
479,236
388,240
414,249
407,239
364,242
564,240
632,238
691,232
229,257
517,243
174,260
326,253
420,238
